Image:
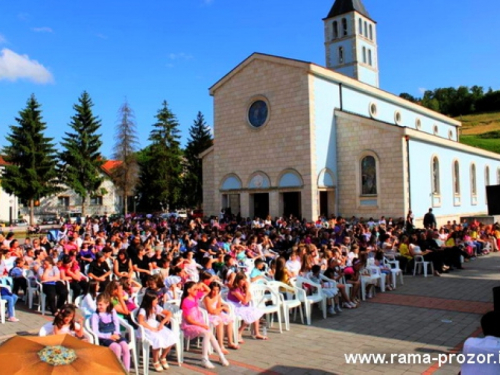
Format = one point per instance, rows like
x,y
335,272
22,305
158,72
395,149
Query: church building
x,y
294,137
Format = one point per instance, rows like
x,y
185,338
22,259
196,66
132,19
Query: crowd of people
x,y
134,268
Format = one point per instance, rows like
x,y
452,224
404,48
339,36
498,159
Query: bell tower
x,y
351,41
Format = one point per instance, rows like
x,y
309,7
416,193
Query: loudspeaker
x,y
493,194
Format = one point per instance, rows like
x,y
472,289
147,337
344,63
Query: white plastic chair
x,y
316,297
32,289
420,263
292,302
3,304
267,299
78,301
395,271
42,297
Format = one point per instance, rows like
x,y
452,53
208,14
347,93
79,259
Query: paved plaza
x,y
432,315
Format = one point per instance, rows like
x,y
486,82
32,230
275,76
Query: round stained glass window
x,y
258,113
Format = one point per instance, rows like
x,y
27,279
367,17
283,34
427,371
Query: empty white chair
x,y
420,264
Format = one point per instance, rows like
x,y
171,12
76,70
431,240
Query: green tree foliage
x,y
32,170
125,173
458,101
161,164
200,139
81,157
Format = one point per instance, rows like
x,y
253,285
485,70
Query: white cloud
x,y
24,16
42,30
180,56
101,36
422,90
14,67
3,40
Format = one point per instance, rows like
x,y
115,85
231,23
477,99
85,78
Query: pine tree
x,y
200,140
160,167
125,174
32,170
81,158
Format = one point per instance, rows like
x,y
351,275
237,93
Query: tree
x,y
161,164
81,158
200,140
125,173
31,173
408,97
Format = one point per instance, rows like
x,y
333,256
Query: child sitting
x,y
329,289
65,322
105,324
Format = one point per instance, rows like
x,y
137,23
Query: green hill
x,y
481,130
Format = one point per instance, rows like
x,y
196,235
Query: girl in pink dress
x,y
219,316
193,324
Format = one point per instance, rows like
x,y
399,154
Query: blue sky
x,y
174,50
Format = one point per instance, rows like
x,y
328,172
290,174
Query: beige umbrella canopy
x,y
39,355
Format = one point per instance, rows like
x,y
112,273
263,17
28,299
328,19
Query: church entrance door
x,y
292,204
260,205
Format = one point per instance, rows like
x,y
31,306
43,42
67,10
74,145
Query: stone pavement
x,y
432,315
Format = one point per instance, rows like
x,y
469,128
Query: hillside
x,y
481,130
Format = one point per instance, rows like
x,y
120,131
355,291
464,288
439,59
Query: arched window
x,y
371,32
487,176
360,26
364,55
456,178
368,176
341,55
366,29
370,57
436,189
335,26
473,180
344,26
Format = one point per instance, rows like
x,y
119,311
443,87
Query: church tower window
x,y
360,26
370,57
366,29
335,26
371,32
364,55
341,55
344,26
368,176
436,188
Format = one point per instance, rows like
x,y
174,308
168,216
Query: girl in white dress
x,y
161,337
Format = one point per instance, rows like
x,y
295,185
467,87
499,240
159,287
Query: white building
x,y
293,137
8,203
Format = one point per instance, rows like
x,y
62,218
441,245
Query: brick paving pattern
x,y
425,315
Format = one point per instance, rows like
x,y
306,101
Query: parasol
x,y
56,354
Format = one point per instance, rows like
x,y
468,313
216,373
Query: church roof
x,y
345,6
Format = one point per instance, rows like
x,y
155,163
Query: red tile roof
x,y
109,165
2,161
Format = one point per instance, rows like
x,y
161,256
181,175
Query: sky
x,y
153,50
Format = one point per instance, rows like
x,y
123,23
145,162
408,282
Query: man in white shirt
x,y
478,348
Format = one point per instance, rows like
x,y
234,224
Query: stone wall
x,y
358,136
283,143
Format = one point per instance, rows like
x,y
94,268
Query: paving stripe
x,y
471,307
457,349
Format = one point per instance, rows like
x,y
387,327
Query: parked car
x,y
20,223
